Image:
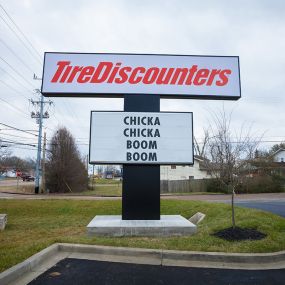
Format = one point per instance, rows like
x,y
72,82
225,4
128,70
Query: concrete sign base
x,y
168,225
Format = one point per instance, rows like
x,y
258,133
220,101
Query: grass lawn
x,y
104,190
20,189
36,224
105,181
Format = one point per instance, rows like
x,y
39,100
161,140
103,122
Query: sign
x,y
113,75
141,138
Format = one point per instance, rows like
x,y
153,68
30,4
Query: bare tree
x,y
200,148
65,170
229,153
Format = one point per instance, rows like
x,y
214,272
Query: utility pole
x,y
39,115
44,164
40,122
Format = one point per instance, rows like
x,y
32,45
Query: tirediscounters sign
x,y
113,75
141,138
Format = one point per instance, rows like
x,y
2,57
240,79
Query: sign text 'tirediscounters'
x,y
113,75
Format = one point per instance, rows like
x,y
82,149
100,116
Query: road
x,y
85,272
275,207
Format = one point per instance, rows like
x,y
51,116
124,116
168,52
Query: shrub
x,y
260,184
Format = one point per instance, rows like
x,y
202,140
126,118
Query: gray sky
x,y
253,30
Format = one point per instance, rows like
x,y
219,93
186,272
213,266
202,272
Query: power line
x,y
13,130
19,74
233,142
18,129
31,140
15,54
11,19
19,143
15,146
15,79
27,48
13,89
14,107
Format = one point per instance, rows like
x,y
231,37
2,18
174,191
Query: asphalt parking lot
x,y
275,207
85,272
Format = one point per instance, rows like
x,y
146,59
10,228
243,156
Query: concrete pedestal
x,y
168,225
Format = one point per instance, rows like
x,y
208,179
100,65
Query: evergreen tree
x,y
65,171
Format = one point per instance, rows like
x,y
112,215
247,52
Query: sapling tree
x,y
229,152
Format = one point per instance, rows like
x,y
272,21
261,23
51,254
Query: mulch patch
x,y
238,234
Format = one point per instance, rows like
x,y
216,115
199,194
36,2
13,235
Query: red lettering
x,y
151,75
164,80
133,79
74,71
180,73
61,66
201,76
214,72
123,73
191,74
224,79
104,67
65,73
85,74
114,72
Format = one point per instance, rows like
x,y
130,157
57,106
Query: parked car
x,y
28,178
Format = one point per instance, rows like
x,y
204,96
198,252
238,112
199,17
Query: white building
x,y
184,172
279,155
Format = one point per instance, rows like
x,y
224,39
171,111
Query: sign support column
x,y
141,183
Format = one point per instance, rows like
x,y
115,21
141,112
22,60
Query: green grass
x,y
36,224
103,190
106,181
28,188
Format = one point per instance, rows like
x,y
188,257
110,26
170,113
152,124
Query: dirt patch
x,y
239,234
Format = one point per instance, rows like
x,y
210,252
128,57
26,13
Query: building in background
x,y
279,155
185,172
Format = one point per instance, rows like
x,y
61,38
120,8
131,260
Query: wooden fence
x,y
183,186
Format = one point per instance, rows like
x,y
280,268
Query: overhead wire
x,y
8,136
14,107
27,48
19,74
20,130
21,32
67,106
18,147
15,54
13,89
15,142
15,79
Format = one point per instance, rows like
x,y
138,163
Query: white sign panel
x,y
113,75
141,138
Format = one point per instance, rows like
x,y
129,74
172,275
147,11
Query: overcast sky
x,y
252,30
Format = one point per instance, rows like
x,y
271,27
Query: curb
x,y
27,265
261,261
